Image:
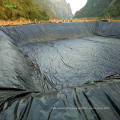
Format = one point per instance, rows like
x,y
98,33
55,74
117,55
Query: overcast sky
x,y
76,4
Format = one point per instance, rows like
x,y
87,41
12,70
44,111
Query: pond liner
x,y
60,71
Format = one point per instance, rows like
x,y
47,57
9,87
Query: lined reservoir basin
x,y
60,71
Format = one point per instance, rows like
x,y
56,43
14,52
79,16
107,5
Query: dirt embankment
x,y
23,22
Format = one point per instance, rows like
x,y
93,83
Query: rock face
x,y
100,8
56,8
61,9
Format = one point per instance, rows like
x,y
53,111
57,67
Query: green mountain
x,y
100,8
55,8
16,9
34,9
45,5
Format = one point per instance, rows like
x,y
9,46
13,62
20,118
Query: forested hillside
x,y
34,9
45,4
100,8
56,8
15,9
